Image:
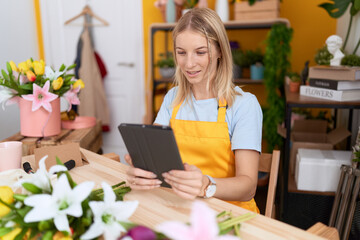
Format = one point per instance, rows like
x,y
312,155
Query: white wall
x,y
18,42
342,26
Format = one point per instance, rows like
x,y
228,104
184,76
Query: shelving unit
x,y
231,25
289,190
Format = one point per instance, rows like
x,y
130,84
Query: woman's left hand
x,y
187,184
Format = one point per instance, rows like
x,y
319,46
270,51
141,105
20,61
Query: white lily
x,y
49,73
41,178
107,215
5,97
63,201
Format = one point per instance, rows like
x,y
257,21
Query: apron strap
x,y
222,110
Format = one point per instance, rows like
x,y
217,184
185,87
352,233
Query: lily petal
x,y
95,230
61,222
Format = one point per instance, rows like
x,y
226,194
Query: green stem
x,y
348,32
357,46
231,222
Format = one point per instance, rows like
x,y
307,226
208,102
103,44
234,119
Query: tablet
x,y
152,148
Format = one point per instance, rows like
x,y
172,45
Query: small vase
x,y
39,123
294,87
222,9
257,72
170,11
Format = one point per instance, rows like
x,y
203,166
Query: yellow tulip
x,y
78,83
13,66
11,235
30,63
42,62
39,67
31,76
23,67
57,84
6,194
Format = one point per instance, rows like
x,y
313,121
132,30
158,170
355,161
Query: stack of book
x,y
333,83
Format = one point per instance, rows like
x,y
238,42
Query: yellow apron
x,y
207,146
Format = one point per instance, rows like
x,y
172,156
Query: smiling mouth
x,y
192,73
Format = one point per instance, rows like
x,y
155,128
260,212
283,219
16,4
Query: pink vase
x,y
39,123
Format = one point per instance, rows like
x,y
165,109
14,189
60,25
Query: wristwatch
x,y
211,188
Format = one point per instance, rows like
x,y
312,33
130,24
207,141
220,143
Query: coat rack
x,y
87,10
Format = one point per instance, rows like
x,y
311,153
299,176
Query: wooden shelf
x,y
292,188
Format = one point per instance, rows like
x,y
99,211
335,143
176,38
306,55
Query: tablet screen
x,y
152,148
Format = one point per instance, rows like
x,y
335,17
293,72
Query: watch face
x,y
210,191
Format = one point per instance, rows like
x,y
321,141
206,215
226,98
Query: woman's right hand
x,y
140,179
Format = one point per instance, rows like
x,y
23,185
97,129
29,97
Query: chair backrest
x,y
270,163
343,209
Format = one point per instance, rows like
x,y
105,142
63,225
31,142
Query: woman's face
x,y
192,55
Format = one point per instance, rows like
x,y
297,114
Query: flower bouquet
x,y
37,89
58,208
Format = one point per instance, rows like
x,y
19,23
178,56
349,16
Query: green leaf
x,y
62,68
32,188
336,9
48,235
71,67
9,68
5,75
27,86
69,77
357,4
5,230
20,197
353,10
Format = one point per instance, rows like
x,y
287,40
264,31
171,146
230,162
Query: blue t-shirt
x,y
244,117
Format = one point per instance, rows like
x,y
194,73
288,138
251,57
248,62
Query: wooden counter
x,y
159,205
88,138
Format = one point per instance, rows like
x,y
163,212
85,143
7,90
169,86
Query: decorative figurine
x,y
334,44
305,73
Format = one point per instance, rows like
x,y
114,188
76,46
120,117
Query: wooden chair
x,y
270,163
324,231
346,195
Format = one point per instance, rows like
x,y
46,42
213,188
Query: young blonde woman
x,y
217,126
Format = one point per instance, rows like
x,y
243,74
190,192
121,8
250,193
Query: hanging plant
x,y
277,64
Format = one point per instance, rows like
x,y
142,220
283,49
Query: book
x,y
340,73
329,94
334,84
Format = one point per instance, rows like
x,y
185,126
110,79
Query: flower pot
x,y
167,72
39,123
256,72
237,72
294,86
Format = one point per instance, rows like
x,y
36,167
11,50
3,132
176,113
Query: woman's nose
x,y
190,61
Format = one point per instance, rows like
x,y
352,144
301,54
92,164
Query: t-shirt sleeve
x,y
248,119
164,114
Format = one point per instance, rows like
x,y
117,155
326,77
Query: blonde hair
x,y
206,22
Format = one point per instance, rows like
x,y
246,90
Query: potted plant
x,y
189,4
239,60
351,60
166,64
254,59
294,81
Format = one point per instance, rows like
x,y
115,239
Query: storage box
x,y
312,134
319,170
259,10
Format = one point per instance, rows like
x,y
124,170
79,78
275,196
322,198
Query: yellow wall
x,y
311,25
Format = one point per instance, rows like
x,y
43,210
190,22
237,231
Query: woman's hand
x,y
187,184
140,179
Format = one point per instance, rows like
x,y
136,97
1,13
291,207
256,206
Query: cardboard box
x,y
340,73
259,10
311,134
319,170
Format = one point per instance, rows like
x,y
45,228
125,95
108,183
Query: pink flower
x,y
41,97
71,96
203,226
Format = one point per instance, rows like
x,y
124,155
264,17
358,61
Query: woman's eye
x,y
181,53
201,53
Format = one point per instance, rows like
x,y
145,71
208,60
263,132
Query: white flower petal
x,y
95,230
123,210
61,187
109,195
74,210
34,200
61,222
97,208
113,231
82,191
42,165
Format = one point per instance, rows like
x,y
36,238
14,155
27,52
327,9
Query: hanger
x,y
87,10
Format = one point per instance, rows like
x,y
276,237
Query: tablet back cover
x,y
152,148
